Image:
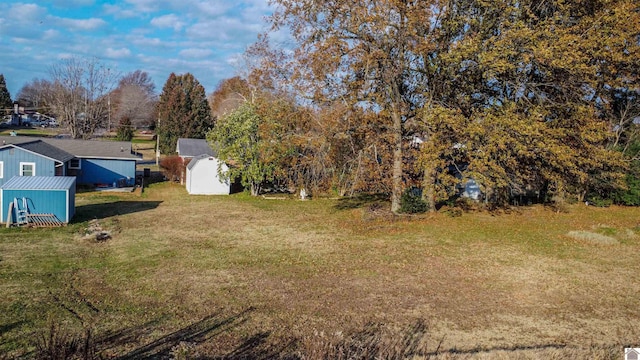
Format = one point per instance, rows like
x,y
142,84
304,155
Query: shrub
x,y
173,167
559,204
59,344
411,201
599,201
631,195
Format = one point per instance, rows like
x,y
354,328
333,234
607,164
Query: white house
x,y
203,178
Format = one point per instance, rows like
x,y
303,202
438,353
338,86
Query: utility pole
x,y
157,143
109,115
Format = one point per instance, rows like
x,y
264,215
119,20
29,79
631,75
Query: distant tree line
x,y
86,95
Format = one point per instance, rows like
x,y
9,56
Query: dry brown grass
x,y
593,238
236,277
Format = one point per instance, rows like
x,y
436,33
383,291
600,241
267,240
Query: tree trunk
x,y
396,189
428,188
255,189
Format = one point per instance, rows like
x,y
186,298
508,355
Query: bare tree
x,y
133,102
141,79
34,94
79,92
134,99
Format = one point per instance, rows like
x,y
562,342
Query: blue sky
x,y
204,37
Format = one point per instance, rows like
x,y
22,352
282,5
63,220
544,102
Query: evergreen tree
x,y
5,98
125,130
183,111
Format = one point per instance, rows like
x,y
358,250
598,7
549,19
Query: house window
x,y
74,164
27,169
1,169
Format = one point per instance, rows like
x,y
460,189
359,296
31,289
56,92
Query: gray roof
x,y
47,150
6,140
40,183
195,159
194,147
100,149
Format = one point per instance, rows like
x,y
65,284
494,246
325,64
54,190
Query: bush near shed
x,y
173,167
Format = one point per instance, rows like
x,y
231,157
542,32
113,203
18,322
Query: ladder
x,y
21,211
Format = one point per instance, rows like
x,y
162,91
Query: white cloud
x,y
82,24
212,8
22,21
118,12
117,53
26,12
227,29
168,21
196,53
147,5
50,34
64,56
74,3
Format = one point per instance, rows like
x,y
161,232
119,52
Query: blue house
x,y
98,162
91,162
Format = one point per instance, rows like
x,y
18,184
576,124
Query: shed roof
x,y
194,147
195,160
39,183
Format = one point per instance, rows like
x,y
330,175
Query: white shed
x,y
203,178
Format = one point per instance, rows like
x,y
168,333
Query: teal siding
x,y
45,195
39,202
105,171
12,157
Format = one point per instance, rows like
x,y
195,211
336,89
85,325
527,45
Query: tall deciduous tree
x,y
35,94
239,138
78,95
5,98
141,79
368,53
183,111
535,83
512,93
135,99
229,95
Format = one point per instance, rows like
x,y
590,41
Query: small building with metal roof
x,y
51,196
203,176
190,148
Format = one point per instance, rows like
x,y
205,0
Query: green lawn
x,y
240,277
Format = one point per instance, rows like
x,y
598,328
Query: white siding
x,y
202,177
